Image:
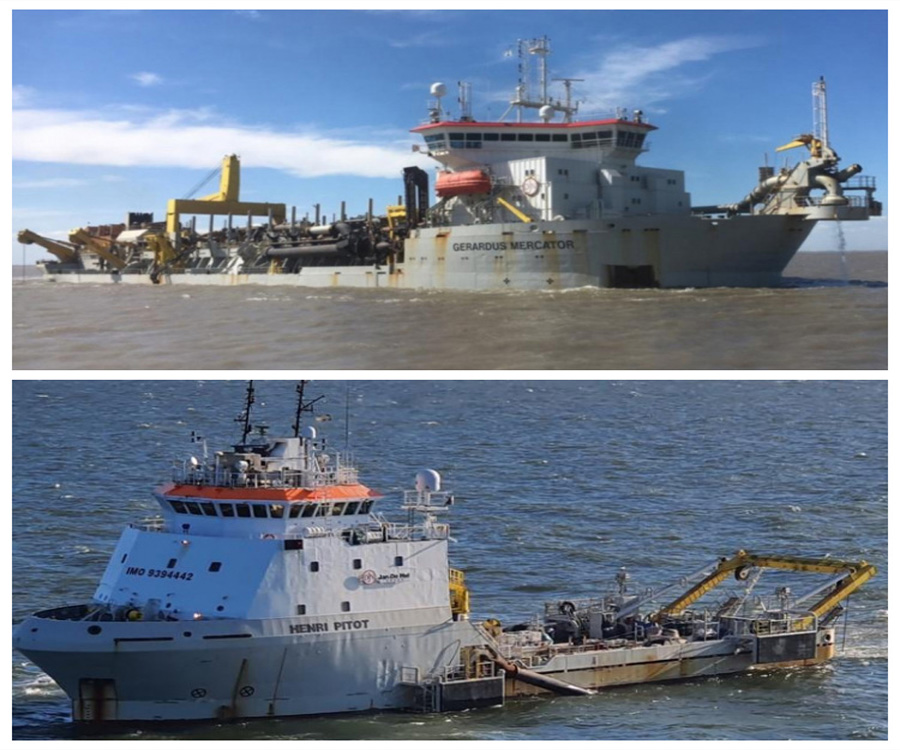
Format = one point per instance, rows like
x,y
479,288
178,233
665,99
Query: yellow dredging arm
x,y
100,246
857,574
66,253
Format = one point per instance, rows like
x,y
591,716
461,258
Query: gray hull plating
x,y
664,250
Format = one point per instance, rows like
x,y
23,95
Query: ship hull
x,y
220,670
193,670
671,251
595,670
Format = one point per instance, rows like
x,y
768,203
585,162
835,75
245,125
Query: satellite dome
x,y
438,90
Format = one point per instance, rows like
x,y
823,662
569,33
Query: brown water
x,y
832,314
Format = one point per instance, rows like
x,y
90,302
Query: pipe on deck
x,y
538,680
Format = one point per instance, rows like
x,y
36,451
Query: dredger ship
x,y
272,585
556,203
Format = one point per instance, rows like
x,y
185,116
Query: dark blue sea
x,y
558,485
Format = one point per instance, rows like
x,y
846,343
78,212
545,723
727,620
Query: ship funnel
x,y
428,480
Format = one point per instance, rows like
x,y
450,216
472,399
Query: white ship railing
x,y
149,524
287,478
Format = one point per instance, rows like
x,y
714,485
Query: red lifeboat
x,y
469,182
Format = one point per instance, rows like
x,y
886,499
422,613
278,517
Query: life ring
x,y
268,536
368,577
530,186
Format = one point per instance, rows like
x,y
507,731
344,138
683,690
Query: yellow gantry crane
x,y
225,201
857,573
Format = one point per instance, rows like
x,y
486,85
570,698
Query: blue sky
x,y
120,110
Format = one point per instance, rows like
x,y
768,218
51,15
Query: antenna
x,y
302,406
465,101
244,416
525,97
568,109
820,111
347,418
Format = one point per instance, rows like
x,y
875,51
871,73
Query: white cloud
x,y
52,182
645,76
22,96
424,39
179,138
147,79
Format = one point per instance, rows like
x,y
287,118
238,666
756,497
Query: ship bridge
x,y
468,144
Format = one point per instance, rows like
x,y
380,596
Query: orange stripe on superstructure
x,y
286,494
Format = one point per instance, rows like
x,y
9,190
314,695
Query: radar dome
x,y
308,432
546,113
438,90
428,480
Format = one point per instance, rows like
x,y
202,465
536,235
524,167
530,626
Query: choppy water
x,y
832,314
558,484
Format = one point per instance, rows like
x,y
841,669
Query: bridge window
x,y
276,511
295,509
366,506
507,136
259,511
209,509
309,510
526,136
243,510
557,137
227,510
542,136
338,508
492,136
178,506
473,136
352,508
194,509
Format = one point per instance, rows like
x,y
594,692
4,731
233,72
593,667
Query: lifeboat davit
x,y
468,182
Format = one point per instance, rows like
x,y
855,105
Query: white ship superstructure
x,y
554,203
270,585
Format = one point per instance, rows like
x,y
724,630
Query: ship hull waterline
x,y
673,251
